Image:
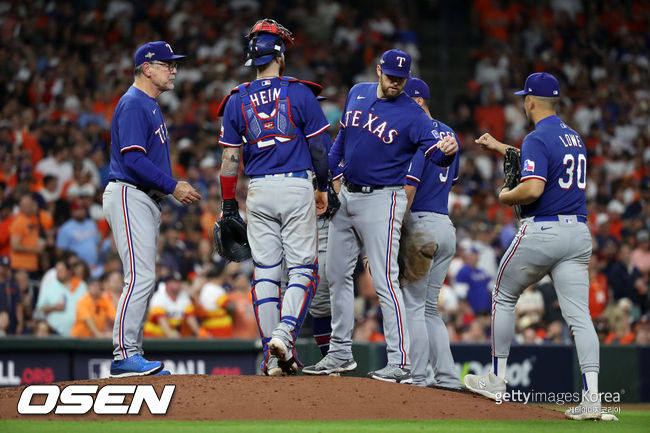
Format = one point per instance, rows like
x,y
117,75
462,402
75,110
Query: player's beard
x,y
389,89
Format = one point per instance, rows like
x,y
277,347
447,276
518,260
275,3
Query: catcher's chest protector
x,y
264,130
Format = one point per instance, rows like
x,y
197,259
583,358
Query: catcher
x,y
280,126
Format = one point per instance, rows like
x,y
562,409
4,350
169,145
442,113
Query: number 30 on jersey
x,y
579,169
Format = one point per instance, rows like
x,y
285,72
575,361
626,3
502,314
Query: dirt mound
x,y
304,398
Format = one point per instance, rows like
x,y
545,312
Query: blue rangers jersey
x,y
555,154
433,182
380,136
138,125
272,118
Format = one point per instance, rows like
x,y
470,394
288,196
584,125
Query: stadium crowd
x,y
65,64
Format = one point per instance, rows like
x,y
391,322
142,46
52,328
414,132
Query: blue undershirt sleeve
x,y
141,167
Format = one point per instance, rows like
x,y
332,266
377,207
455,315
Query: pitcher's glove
x,y
512,173
416,251
230,238
333,202
511,168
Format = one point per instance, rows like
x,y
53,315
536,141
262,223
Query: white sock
x,y
591,382
499,367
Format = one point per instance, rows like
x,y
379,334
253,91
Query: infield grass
x,y
630,421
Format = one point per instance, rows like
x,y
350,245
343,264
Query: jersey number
x,y
444,175
581,176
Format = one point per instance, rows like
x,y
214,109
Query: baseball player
x,y
320,308
381,129
427,190
553,239
140,176
279,124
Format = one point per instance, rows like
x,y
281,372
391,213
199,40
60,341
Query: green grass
x,y
630,421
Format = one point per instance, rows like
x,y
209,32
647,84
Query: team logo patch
x,y
435,133
529,165
266,83
269,125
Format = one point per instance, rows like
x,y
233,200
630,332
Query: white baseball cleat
x,y
586,410
489,386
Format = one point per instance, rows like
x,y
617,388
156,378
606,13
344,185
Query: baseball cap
x,y
541,84
263,48
158,50
396,63
77,204
416,88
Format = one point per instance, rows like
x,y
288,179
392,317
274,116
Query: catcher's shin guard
x,y
295,302
266,298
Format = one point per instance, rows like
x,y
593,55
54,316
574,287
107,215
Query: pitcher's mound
x,y
303,398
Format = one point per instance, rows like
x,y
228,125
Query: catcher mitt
x,y
230,238
416,252
512,173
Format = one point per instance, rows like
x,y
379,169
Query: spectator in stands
x,y
642,327
172,247
472,283
79,234
625,279
171,312
112,284
10,300
6,218
640,257
216,308
620,324
95,313
58,165
244,323
28,236
531,305
28,296
57,301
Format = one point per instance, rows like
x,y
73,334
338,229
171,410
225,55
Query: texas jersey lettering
x,y
381,136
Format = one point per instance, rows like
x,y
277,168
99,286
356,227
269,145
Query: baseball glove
x,y
333,202
416,252
512,173
230,238
511,168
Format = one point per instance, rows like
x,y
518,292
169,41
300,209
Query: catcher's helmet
x,y
267,39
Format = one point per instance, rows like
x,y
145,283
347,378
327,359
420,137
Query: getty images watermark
x,y
560,398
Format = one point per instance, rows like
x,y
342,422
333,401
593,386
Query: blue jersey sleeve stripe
x,y
229,144
341,123
318,132
413,178
435,146
338,176
532,176
134,147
